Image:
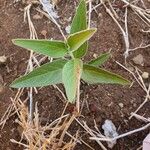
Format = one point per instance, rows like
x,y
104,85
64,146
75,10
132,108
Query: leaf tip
x,y
127,82
12,85
13,41
15,84
93,29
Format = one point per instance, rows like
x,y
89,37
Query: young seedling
x,y
64,69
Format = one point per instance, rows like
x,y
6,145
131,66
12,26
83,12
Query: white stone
x,y
110,132
145,75
121,105
3,59
68,28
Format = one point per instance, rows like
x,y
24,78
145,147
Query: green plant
x,y
69,68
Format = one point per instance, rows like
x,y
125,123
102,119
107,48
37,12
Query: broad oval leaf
x,y
77,39
50,48
100,60
95,75
71,75
47,74
79,23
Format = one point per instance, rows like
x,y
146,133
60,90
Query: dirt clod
x,y
44,33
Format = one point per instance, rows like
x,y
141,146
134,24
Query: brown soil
x,y
99,97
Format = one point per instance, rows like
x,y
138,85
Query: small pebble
x,y
44,33
132,101
121,105
122,115
68,28
139,60
100,15
145,75
3,59
95,55
134,105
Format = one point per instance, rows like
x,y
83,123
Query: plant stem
x,y
78,97
71,54
90,11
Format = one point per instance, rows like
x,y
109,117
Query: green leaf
x,y
46,47
95,75
47,74
71,75
79,23
100,60
77,39
81,51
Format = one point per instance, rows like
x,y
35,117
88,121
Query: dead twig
x,y
142,85
124,32
91,132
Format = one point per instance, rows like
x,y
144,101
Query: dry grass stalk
x,y
124,32
53,19
91,133
139,117
137,76
10,110
142,13
50,136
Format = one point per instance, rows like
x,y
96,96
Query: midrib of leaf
x,y
45,71
71,77
50,46
112,77
75,76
